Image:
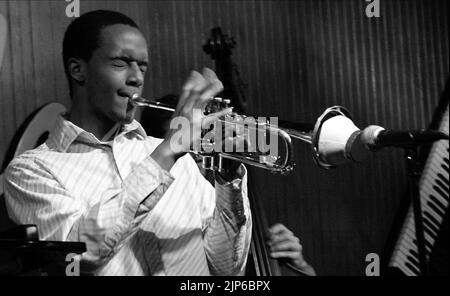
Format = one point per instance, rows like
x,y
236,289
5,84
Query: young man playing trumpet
x,y
140,204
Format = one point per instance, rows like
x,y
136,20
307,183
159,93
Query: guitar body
x,y
32,133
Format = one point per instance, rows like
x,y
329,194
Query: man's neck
x,y
84,119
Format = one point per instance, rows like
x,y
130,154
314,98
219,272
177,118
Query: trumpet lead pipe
x,y
300,131
143,102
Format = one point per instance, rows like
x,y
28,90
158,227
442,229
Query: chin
x,y
125,117
128,120
125,120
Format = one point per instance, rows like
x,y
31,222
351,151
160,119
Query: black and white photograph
x,y
260,142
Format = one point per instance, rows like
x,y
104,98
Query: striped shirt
x,y
135,217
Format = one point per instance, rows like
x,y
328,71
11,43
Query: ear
x,y
76,68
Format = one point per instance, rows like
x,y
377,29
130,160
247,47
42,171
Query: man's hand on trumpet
x,y
188,119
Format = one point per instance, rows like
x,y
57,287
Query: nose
x,y
135,76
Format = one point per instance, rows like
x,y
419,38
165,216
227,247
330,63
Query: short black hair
x,y
82,35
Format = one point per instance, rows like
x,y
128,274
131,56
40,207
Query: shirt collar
x,y
66,132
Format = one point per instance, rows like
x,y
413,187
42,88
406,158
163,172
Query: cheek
x,y
103,77
106,81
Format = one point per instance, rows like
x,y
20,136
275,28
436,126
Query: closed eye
x,y
119,63
143,68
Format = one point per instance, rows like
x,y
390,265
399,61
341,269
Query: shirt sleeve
x,y
34,196
227,225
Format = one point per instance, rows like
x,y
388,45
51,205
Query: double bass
x,y
219,46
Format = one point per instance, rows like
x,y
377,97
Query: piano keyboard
x,y
434,200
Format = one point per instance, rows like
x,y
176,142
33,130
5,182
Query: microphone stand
x,y
411,142
411,147
414,173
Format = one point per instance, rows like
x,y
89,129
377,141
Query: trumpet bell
x,y
331,134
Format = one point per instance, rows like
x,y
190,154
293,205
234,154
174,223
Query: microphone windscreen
x,y
333,139
369,136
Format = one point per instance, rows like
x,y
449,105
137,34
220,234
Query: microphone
x,y
337,140
376,137
373,138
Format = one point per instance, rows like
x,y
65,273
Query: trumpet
x,y
278,160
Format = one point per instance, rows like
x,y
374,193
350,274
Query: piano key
x,y
442,166
414,261
401,265
430,183
445,167
443,179
428,236
437,158
435,164
410,256
432,219
428,227
439,189
414,252
434,208
410,245
441,148
436,201
438,186
435,177
442,185
403,259
427,205
428,240
411,231
428,189
408,241
431,203
434,172
429,232
414,269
